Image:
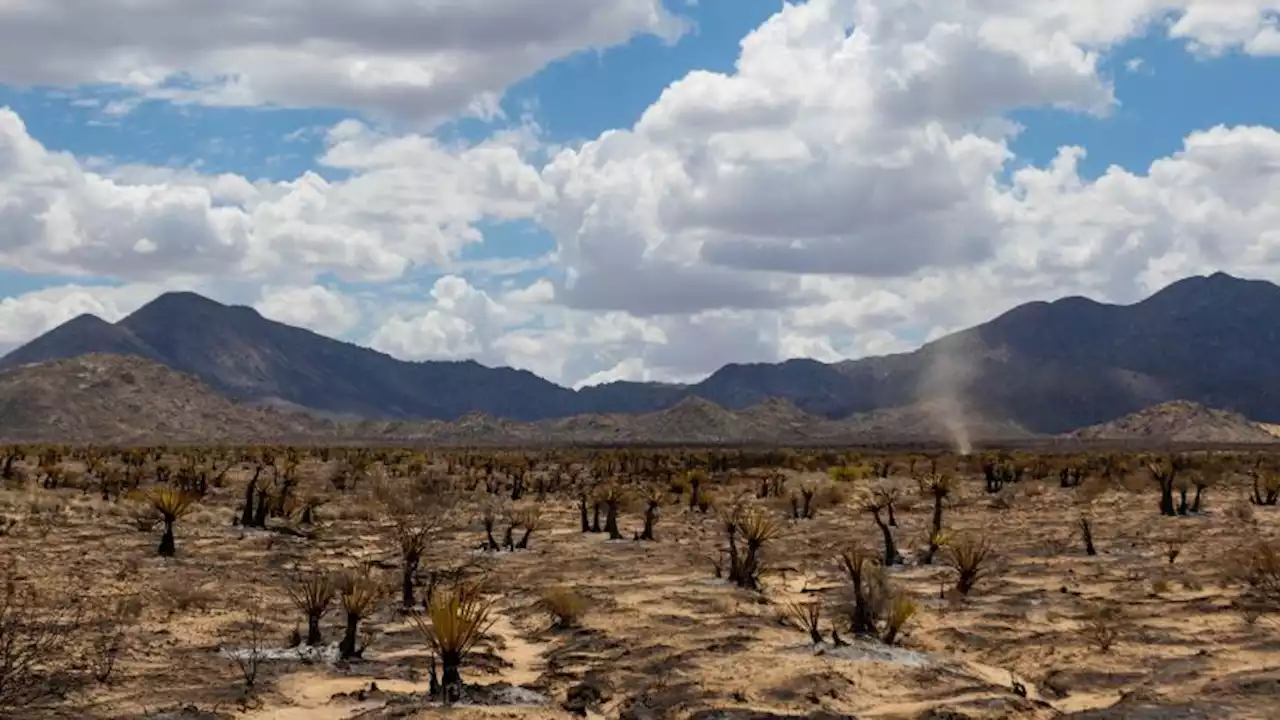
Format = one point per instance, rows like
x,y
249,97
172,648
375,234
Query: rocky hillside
x,y
1044,367
124,399
120,399
1180,421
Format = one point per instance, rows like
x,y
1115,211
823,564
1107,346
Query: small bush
x,y
971,557
1257,566
1102,626
899,609
181,597
564,605
805,616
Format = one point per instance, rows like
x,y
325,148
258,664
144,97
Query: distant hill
x,y
125,399
1043,367
119,399
1183,422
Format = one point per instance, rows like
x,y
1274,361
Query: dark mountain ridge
x,y
1046,366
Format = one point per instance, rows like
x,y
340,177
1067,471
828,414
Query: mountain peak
x,y
85,321
179,302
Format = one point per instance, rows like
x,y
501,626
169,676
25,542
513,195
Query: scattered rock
x,y
594,690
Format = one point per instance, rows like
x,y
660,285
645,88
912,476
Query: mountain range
x,y
1042,367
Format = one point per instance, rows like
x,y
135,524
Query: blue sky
x,y
1165,94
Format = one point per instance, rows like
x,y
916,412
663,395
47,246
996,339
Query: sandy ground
x,y
663,638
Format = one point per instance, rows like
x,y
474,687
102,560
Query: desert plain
x,y
505,557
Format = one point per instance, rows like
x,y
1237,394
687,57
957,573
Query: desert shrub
x,y
245,644
35,663
109,637
182,596
565,605
1257,566
970,556
1102,625
1266,487
899,609
704,501
1173,545
456,619
1241,511
805,616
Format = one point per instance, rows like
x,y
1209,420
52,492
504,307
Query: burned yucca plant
x,y
748,528
612,496
970,556
313,595
871,607
1085,523
878,500
171,504
1266,487
653,497
802,506
528,519
359,592
456,619
939,486
490,513
864,575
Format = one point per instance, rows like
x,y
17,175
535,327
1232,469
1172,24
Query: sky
x,y
597,190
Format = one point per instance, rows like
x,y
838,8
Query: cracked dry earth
x,y
663,638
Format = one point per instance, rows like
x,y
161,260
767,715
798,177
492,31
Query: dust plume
x,y
943,385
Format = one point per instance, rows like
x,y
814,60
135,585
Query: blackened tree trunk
x,y
582,510
451,676
260,513
935,533
167,546
611,520
313,630
347,648
890,548
406,580
650,515
246,513
1086,532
